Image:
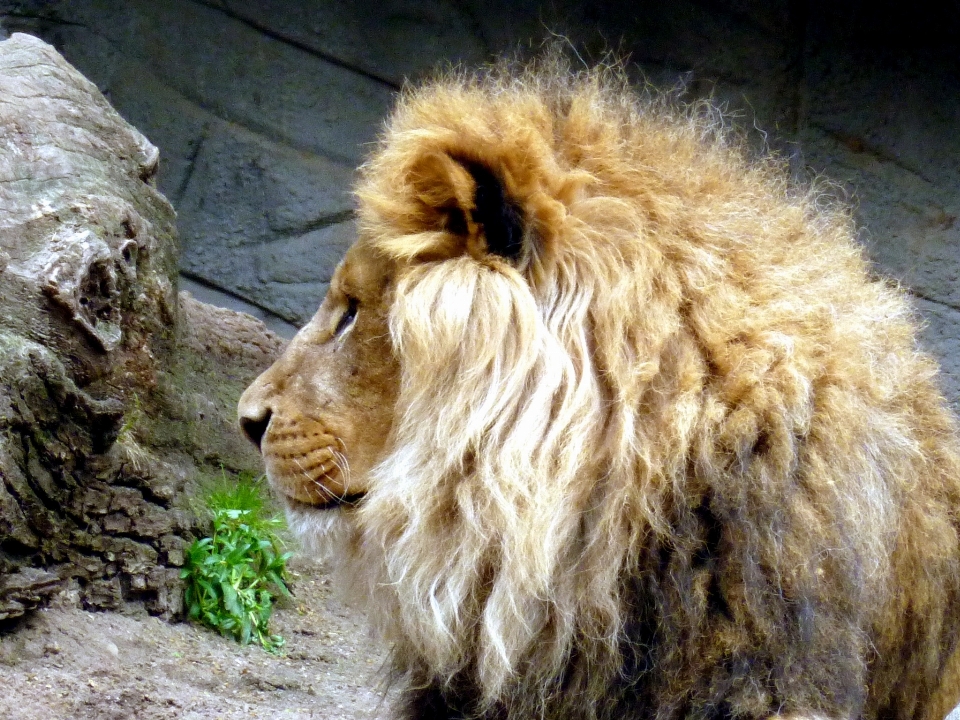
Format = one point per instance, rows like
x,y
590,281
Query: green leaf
x,y
230,598
278,581
245,630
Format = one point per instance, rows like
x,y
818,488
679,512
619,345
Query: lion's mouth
x,y
351,500
311,479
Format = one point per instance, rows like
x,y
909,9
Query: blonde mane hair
x,y
683,398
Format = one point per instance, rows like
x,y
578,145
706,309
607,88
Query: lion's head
x,y
598,413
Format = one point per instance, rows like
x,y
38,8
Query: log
x,y
117,394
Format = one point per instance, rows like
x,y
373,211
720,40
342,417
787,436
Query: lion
x,y
605,417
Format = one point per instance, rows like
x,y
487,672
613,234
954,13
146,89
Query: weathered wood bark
x,y
116,396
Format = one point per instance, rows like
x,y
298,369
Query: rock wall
x,y
117,396
262,109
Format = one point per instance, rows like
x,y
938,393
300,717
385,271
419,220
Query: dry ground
x,y
66,664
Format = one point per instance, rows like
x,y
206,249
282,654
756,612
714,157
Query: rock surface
x,y
117,396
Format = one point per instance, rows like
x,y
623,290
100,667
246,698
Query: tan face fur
x,y
321,414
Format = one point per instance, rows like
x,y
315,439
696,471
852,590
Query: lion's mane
x,y
670,451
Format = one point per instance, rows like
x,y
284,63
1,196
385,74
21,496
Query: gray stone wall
x,y
262,109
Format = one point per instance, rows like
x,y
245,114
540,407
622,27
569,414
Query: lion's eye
x,y
349,315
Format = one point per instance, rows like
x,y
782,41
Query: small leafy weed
x,y
231,575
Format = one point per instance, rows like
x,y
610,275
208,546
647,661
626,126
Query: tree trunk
x,y
117,396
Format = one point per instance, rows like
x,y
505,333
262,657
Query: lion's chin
x,y
322,530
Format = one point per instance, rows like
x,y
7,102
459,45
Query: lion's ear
x,y
499,218
472,202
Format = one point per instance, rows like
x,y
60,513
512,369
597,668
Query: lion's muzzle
x,y
304,458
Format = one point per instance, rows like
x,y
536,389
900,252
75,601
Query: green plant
x,y
230,575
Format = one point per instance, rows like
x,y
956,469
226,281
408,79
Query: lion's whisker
x,y
324,491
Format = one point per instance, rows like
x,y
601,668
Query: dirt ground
x,y
66,664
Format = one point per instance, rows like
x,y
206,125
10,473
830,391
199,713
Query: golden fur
x,y
603,419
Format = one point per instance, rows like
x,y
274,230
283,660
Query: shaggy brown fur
x,y
602,419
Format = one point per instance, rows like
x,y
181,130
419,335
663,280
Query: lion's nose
x,y
254,427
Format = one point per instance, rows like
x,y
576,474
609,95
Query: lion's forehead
x,y
365,271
